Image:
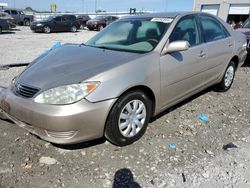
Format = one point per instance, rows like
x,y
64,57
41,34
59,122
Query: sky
x,y
108,5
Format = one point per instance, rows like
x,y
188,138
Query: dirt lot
x,y
197,161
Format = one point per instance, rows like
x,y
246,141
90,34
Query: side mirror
x,y
176,47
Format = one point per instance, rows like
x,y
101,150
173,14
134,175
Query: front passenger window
x,y
186,29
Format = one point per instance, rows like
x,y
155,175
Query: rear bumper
x,y
61,124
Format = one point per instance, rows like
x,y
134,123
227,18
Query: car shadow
x,y
7,32
15,29
82,145
124,178
186,101
247,63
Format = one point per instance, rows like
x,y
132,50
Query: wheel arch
x,y
148,91
235,59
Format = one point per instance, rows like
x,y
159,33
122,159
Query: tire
x,y
1,30
73,29
46,29
128,118
82,26
227,79
91,29
100,27
26,22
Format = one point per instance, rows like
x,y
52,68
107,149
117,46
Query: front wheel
x,y
100,27
228,78
129,118
46,29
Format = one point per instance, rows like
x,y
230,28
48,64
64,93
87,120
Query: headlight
x,y
39,24
67,94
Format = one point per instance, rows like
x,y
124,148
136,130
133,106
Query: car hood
x,y
72,64
246,31
95,20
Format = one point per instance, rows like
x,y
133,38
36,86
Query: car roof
x,y
159,15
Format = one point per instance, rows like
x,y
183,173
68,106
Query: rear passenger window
x,y
58,19
7,11
14,12
212,29
186,29
64,19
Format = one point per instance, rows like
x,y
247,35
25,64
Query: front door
x,y
182,72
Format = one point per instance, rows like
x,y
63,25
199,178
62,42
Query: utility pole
x,y
95,6
14,3
166,6
83,6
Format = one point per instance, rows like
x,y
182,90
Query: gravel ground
x,y
197,161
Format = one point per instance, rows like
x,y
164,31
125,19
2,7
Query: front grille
x,y
25,91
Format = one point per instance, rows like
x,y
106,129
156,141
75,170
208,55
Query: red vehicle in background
x,y
246,30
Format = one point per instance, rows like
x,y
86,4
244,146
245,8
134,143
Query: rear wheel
x,y
129,118
73,29
228,78
46,29
1,30
82,26
26,22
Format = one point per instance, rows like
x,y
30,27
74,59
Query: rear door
x,y
15,15
57,24
182,72
66,23
219,47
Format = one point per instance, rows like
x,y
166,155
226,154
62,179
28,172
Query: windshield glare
x,y
99,17
139,36
50,18
247,24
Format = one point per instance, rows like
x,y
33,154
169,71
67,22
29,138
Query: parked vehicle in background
x,y
20,17
9,18
82,19
99,22
4,25
126,74
246,30
56,23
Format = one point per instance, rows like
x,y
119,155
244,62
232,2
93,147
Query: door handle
x,y
202,54
230,44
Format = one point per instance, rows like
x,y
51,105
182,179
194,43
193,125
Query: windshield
x,y
139,36
247,24
49,18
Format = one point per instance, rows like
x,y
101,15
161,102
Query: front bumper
x,y
36,28
90,26
61,124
